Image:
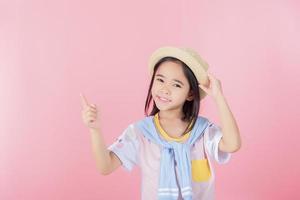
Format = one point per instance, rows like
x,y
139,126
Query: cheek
x,y
181,94
153,90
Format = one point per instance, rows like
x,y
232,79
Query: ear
x,y
190,96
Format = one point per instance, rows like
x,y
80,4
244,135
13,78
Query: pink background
x,y
50,51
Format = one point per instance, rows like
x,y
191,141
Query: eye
x,y
176,85
160,80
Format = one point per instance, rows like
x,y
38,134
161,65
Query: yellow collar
x,y
165,135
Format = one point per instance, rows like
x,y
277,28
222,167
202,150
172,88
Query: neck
x,y
170,115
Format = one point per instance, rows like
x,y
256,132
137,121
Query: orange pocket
x,y
200,170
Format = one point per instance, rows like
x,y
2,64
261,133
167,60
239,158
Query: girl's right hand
x,y
89,114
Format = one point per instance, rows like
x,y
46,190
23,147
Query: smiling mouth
x,y
163,99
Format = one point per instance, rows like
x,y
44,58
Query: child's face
x,y
170,87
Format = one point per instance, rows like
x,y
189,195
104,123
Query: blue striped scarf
x,y
173,154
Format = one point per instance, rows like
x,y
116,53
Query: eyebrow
x,y
178,81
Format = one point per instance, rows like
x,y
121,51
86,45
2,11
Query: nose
x,y
165,90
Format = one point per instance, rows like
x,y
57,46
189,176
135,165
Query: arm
x,y
106,160
231,141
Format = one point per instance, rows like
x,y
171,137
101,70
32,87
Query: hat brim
x,y
194,62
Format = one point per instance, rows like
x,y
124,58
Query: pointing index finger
x,y
84,101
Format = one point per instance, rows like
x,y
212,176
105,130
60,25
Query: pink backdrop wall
x,y
50,51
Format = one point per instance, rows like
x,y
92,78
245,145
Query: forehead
x,y
171,70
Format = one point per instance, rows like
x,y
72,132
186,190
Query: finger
x,y
89,118
90,108
93,106
87,121
90,112
84,101
211,75
212,79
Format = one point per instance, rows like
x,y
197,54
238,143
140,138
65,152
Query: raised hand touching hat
x,y
215,87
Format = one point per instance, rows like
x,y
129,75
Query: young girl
x,y
173,146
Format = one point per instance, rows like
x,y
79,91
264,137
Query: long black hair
x,y
190,108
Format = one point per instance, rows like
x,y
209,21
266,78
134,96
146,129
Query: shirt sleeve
x,y
214,135
126,148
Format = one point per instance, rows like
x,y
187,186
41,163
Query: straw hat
x,y
187,55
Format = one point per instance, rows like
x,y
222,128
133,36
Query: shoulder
x,y
143,123
209,128
133,124
143,120
204,121
132,129
203,118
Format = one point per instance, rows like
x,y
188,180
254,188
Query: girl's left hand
x,y
215,88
